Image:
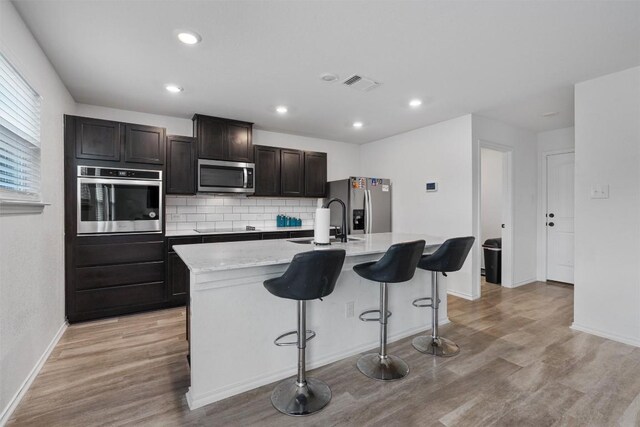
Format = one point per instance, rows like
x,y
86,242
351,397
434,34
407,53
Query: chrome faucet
x,y
343,230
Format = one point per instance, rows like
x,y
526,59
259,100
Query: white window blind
x,y
19,136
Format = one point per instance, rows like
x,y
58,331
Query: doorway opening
x,y
495,217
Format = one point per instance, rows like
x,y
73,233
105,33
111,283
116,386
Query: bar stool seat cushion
x,y
397,265
311,275
449,257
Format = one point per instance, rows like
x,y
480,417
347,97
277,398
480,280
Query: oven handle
x,y
246,178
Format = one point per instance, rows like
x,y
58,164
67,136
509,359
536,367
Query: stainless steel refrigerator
x,y
368,203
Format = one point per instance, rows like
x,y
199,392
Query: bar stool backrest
x,y
397,265
311,275
449,257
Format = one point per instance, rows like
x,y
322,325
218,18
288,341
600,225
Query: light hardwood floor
x,y
520,365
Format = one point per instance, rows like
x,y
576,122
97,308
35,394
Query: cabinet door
x,y
181,165
144,144
178,278
267,176
211,135
239,147
97,139
291,173
315,174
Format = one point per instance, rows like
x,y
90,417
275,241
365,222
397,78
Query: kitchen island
x,y
234,320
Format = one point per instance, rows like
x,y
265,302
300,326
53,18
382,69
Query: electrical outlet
x,y
349,309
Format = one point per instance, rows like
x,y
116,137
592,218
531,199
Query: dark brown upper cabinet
x,y
315,174
223,139
239,144
267,175
291,173
144,144
97,139
181,165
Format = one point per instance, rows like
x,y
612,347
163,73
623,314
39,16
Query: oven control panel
x,y
119,173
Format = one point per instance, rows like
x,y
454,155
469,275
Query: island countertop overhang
x,y
211,257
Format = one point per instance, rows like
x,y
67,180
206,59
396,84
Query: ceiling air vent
x,y
360,83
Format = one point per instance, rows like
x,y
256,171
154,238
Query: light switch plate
x,y
600,191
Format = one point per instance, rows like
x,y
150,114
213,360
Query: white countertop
x,y
207,257
178,233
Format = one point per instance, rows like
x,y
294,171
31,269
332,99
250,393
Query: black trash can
x,y
493,260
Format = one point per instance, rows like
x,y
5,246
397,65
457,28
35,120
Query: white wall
x,y
559,140
32,246
607,231
442,153
525,174
491,169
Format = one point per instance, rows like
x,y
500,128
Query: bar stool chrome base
x,y
383,368
437,347
290,398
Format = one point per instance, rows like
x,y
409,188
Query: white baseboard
x,y
461,295
523,282
15,400
223,393
604,334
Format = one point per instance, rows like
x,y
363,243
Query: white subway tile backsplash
x,y
241,209
224,209
206,209
176,201
195,217
225,212
187,209
196,201
185,225
215,202
231,201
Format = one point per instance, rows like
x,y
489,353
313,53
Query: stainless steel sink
x,y
308,241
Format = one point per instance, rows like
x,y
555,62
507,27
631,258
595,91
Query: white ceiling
x,y
509,60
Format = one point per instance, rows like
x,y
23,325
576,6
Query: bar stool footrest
x,y
372,319
417,302
309,336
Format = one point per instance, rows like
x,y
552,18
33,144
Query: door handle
x,y
502,225
551,215
551,224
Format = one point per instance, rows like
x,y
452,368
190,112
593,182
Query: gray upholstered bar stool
x,y
448,258
311,275
397,265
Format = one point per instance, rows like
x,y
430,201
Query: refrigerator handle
x,y
370,211
366,211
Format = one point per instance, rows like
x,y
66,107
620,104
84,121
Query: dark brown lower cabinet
x,y
115,275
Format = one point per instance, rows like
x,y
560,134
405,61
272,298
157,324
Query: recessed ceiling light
x,y
173,88
550,114
357,125
328,77
415,103
282,109
189,37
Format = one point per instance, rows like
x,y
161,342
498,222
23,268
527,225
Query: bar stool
x,y
311,275
397,265
448,258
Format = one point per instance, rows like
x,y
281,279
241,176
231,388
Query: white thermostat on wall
x,y
432,186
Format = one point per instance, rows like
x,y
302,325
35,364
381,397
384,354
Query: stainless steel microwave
x,y
119,200
216,176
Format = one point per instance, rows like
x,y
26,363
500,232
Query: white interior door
x,y
560,201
